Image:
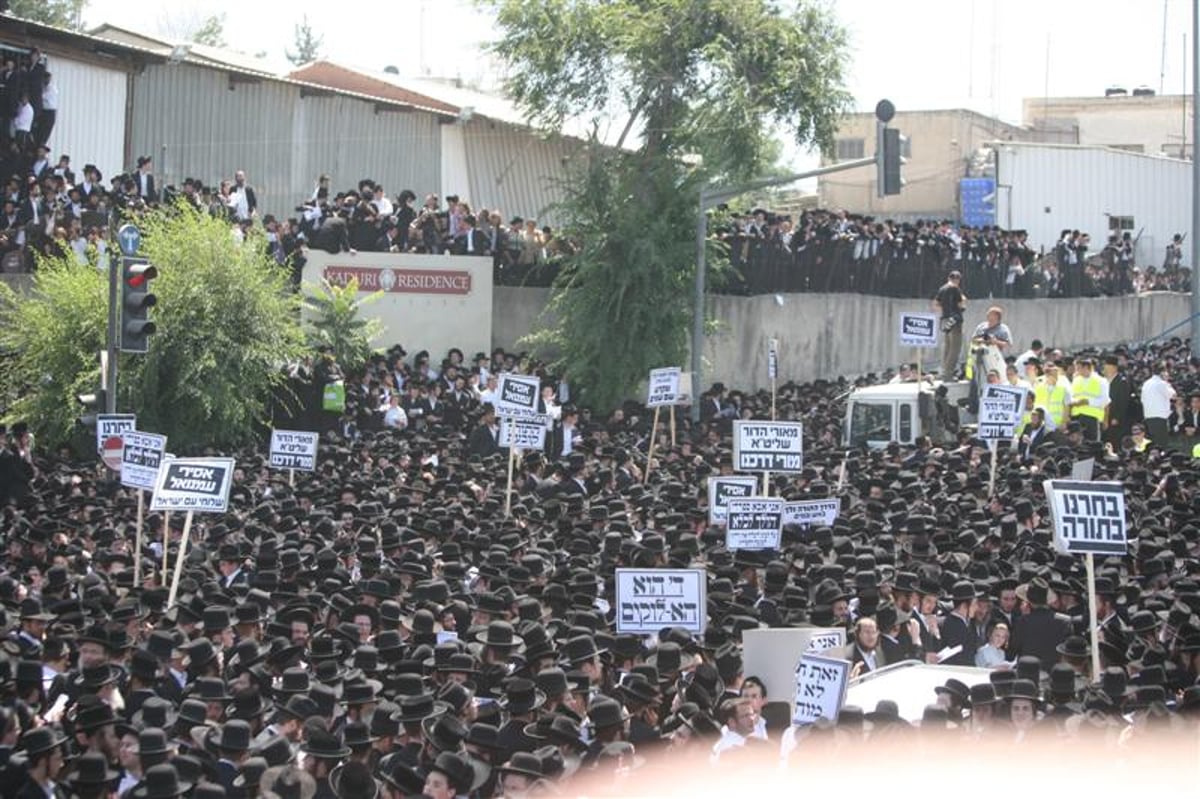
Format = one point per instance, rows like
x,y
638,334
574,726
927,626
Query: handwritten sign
x,y
294,449
1087,517
812,512
723,489
517,395
527,433
1000,411
820,688
918,330
651,599
141,455
664,387
754,523
824,640
195,484
768,446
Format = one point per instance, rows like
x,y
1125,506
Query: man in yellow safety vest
x,y
1089,396
1054,396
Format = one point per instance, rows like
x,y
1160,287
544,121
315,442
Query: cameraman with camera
x,y
993,331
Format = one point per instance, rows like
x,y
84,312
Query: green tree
x,y
211,31
227,324
690,77
334,322
61,13
308,44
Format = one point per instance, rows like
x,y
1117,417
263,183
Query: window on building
x,y
1119,224
1129,148
849,149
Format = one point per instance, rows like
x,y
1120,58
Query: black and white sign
x,y
826,639
651,599
109,425
1000,411
141,455
772,358
517,395
812,512
664,387
195,484
1087,517
723,489
754,523
820,688
918,330
768,446
294,449
522,433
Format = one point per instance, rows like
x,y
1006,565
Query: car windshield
x,y
870,422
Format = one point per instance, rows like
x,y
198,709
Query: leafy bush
x,y
334,322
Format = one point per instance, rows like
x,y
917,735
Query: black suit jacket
x,y
1120,398
150,195
1039,633
479,243
1037,439
482,442
956,632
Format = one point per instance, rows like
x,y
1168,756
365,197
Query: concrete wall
x,y
847,334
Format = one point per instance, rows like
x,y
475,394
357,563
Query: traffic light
x,y
93,406
136,302
893,159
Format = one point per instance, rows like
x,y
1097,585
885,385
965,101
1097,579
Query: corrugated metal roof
x,y
327,73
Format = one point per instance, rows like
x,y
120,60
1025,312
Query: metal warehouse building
x,y
201,114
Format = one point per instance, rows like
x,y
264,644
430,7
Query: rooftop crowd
x,y
383,625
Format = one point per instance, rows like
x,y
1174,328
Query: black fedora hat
x,y
324,745
353,780
558,729
1075,647
234,735
458,771
521,696
161,782
287,782
669,657
153,741
579,649
92,677
417,708
40,739
155,712
525,763
500,635
605,712
91,769
444,733
93,716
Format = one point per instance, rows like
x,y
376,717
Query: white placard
x,y
812,512
193,484
663,387
768,446
1087,516
522,433
820,688
112,424
141,456
723,489
1000,411
824,640
772,358
754,523
651,599
294,449
918,330
1082,470
517,395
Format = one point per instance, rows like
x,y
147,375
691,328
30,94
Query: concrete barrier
x,y
826,335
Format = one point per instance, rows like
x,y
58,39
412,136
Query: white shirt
x,y
1156,398
728,740
1023,359
23,121
383,206
395,417
50,97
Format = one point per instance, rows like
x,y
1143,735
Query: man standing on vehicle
x,y
950,302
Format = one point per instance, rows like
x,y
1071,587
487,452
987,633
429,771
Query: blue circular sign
x,y
130,239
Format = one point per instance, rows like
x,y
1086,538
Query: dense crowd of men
x,y
826,251
382,625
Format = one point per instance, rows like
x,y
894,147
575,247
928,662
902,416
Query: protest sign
x,y
141,455
823,640
517,395
522,433
772,654
1082,470
1088,517
753,523
1000,411
723,489
664,387
918,330
768,446
651,599
193,484
820,688
294,449
812,512
110,425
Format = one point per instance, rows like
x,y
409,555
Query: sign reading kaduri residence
x,y
400,280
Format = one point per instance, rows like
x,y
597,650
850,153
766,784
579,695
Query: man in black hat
x,y
16,463
957,628
1039,632
43,748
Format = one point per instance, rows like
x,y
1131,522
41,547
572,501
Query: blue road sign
x,y
130,239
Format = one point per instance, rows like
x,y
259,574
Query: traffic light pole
x,y
110,385
711,197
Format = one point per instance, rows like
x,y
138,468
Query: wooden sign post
x,y
183,542
137,540
650,452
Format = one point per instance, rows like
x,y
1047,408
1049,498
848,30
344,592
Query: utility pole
x,y
1195,231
